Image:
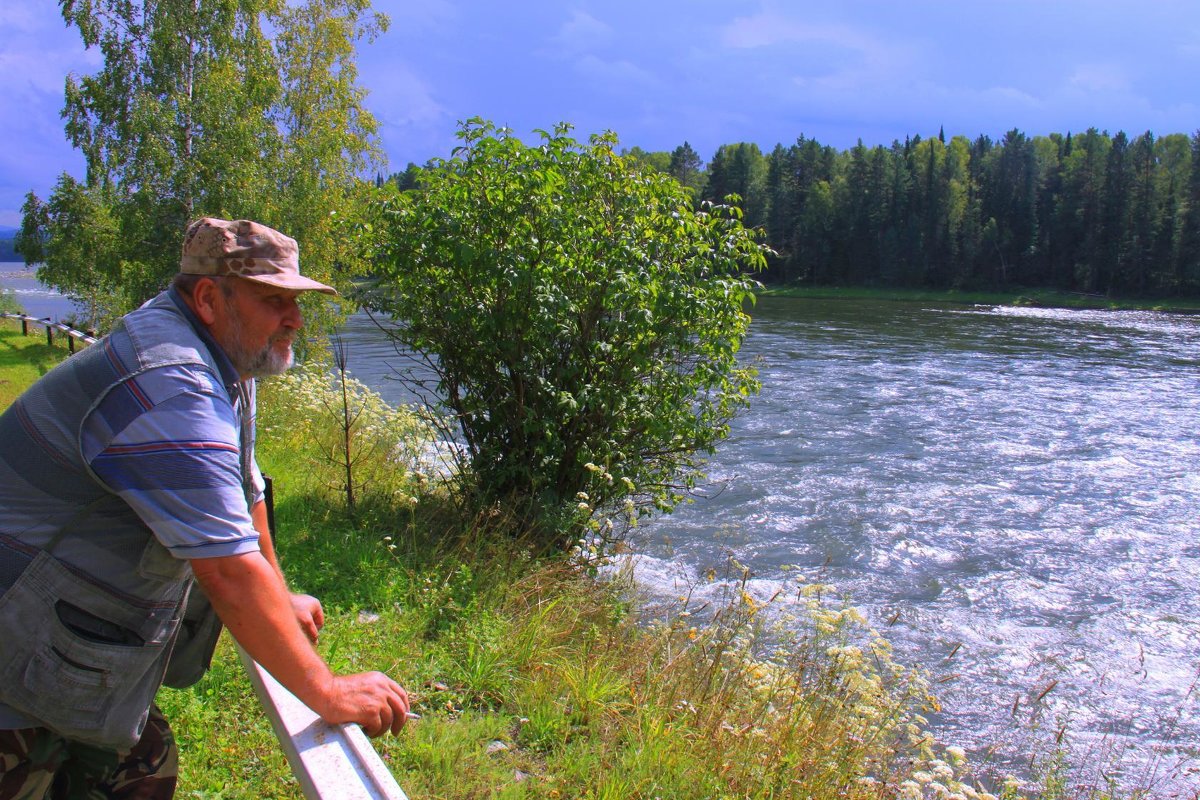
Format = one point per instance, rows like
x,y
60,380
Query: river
x,y
37,300
1014,490
1017,487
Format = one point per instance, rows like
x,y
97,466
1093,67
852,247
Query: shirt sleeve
x,y
176,463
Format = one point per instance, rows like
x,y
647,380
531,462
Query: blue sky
x,y
659,72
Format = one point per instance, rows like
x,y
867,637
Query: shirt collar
x,y
229,375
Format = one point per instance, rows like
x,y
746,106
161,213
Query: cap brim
x,y
297,283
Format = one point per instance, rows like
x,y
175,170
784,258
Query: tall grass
x,y
536,679
533,677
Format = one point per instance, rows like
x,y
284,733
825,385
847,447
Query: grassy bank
x,y
534,677
23,359
1043,298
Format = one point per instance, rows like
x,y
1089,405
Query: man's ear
x,y
205,297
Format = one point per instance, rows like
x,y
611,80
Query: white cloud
x,y
824,58
18,16
401,98
408,112
582,33
37,50
768,28
1002,96
1099,78
619,74
424,15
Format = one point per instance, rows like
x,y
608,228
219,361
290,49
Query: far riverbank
x,y
1037,298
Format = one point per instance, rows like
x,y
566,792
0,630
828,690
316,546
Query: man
x,y
125,473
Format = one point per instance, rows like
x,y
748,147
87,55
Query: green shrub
x,y
581,317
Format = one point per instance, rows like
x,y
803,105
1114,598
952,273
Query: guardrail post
x,y
71,343
87,337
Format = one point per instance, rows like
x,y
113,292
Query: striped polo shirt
x,y
171,441
169,445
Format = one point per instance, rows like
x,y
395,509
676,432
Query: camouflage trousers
x,y
37,763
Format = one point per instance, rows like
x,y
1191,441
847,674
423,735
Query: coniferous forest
x,y
1088,212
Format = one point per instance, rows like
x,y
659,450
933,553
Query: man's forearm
x,y
266,544
248,593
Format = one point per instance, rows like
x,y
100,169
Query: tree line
x,y
1089,212
1083,212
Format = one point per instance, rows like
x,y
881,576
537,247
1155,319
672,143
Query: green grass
x,y
23,359
1047,298
535,679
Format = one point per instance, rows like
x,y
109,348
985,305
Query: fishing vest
x,y
90,601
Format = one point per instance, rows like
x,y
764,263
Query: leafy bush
x,y
580,317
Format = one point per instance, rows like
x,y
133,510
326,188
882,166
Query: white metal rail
x,y
331,762
51,327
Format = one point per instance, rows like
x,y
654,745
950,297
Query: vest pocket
x,y
73,661
157,563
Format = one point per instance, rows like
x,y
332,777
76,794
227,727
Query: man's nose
x,y
292,316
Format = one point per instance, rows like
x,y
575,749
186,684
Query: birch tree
x,y
232,108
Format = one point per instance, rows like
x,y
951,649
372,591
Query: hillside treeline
x,y
1086,212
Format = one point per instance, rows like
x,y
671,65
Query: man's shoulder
x,y
163,382
158,335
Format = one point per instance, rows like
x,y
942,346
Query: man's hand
x,y
371,699
309,614
250,597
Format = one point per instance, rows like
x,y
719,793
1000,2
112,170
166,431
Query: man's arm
x,y
258,515
248,594
307,608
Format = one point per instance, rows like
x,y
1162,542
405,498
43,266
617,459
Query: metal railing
x,y
331,762
72,334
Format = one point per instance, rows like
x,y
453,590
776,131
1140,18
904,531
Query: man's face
x,y
255,325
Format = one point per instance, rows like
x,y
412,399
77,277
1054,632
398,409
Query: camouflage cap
x,y
245,249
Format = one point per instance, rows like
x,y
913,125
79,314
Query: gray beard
x,y
252,363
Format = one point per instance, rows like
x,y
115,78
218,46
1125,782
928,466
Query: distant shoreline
x,y
1029,298
21,273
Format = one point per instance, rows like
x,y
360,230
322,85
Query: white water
x,y
1018,484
